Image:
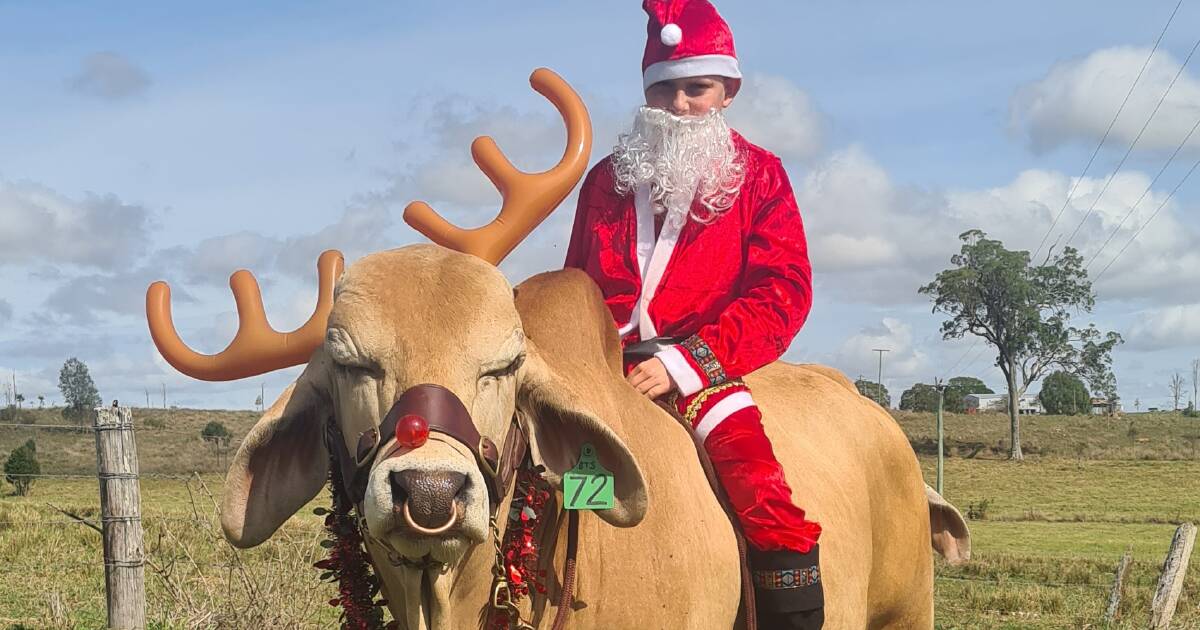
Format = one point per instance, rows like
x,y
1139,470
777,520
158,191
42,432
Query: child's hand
x,y
651,378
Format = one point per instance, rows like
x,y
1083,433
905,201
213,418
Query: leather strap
x,y
447,415
566,596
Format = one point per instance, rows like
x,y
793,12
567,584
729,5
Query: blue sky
x,y
146,141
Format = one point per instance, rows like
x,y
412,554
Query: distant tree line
x,y
924,397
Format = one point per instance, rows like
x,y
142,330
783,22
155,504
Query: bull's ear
x,y
947,530
559,423
281,465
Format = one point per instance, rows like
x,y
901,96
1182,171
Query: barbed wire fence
x,y
136,541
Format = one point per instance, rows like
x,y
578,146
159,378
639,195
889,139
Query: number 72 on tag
x,y
588,486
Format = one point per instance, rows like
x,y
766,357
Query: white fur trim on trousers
x,y
724,408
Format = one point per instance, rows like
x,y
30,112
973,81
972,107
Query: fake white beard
x,y
682,158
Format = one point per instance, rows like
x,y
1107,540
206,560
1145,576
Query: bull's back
x,y
852,470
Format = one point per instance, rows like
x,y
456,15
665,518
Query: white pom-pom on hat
x,y
671,35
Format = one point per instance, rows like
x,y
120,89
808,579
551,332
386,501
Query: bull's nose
x,y
430,495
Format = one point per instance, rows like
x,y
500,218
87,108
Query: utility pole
x,y
164,390
879,378
941,390
147,397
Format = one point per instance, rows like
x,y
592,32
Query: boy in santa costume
x,y
694,237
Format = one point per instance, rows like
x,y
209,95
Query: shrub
x,y
20,467
215,432
155,422
978,511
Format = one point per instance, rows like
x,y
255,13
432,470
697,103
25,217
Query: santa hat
x,y
686,38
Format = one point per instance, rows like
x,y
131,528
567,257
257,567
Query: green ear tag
x,y
588,486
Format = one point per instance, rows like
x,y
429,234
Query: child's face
x,y
692,96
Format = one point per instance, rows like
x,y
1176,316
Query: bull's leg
x,y
784,551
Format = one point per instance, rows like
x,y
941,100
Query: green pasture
x,y
1047,533
1051,535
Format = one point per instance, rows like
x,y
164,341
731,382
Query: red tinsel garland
x,y
349,565
520,547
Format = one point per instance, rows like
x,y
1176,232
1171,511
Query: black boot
x,y
787,589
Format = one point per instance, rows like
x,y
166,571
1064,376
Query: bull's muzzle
x,y
429,501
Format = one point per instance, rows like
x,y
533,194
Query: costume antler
x,y
528,197
257,348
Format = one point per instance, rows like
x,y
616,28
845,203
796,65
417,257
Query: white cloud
x,y
6,311
869,239
212,260
856,354
83,299
1165,328
31,384
773,112
364,227
41,225
109,76
1160,265
443,171
872,240
1077,99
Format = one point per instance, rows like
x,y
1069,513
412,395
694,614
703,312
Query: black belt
x,y
647,348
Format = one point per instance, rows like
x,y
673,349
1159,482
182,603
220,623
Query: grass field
x,y
1047,535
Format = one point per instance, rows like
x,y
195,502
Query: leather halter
x,y
446,415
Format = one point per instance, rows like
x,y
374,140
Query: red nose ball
x,y
412,431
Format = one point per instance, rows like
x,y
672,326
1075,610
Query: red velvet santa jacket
x,y
737,289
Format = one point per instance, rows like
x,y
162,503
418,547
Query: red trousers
x,y
731,426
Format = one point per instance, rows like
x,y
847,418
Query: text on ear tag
x,y
588,486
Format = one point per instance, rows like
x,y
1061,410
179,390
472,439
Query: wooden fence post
x,y
941,390
121,518
1114,598
1170,583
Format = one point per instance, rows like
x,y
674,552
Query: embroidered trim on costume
x,y
693,407
780,579
704,357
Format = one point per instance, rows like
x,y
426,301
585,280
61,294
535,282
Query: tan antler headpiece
x,y
257,348
528,197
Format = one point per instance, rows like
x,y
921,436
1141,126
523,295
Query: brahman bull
x,y
544,361
665,556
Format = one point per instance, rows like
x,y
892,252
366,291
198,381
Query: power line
x,y
1109,130
974,345
1136,138
970,365
1156,211
1144,193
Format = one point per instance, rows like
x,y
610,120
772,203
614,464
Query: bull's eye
x,y
358,371
507,370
